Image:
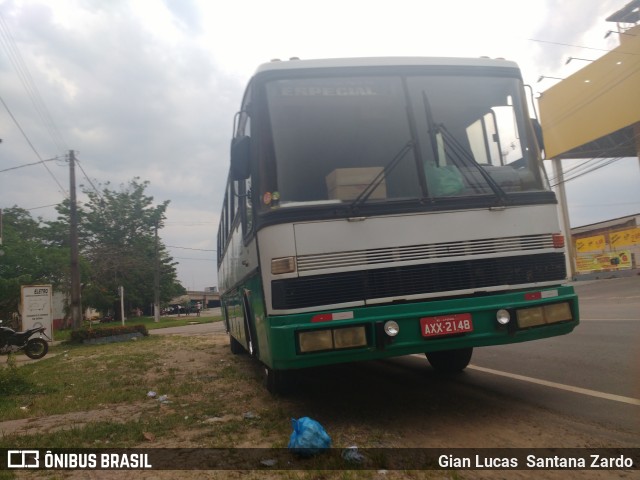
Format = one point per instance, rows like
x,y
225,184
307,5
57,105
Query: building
x,y
209,298
595,113
609,246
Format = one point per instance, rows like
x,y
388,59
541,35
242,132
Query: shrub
x,y
78,336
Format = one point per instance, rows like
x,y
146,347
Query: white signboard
x,y
36,307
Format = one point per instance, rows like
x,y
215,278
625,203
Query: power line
x,y
189,224
30,164
15,120
90,182
43,206
196,259
578,168
604,205
24,75
593,169
579,46
189,248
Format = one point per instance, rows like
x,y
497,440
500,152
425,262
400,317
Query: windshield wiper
x,y
453,143
457,150
377,180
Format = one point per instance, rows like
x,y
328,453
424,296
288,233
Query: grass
x,y
76,378
210,392
149,322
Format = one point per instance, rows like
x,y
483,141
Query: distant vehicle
x,y
385,207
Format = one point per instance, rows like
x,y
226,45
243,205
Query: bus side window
x,y
244,186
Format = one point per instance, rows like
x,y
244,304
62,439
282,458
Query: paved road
x,y
593,372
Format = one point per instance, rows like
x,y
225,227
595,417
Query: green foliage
x,y
117,233
88,333
12,379
117,242
29,258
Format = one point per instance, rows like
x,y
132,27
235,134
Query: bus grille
x,y
317,290
412,253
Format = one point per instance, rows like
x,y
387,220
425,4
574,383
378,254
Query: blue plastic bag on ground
x,y
308,437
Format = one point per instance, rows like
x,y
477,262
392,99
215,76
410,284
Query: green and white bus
x,y
378,207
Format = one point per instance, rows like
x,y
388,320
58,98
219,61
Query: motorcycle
x,y
12,341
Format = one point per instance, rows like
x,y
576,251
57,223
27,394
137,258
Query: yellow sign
x,y
625,238
590,244
604,261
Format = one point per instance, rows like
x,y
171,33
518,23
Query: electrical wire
x,y
598,167
24,75
579,46
15,120
90,182
197,259
578,168
189,248
30,164
43,206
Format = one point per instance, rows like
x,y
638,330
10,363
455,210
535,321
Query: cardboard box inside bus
x,y
348,183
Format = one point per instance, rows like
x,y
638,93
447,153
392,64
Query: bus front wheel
x,y
450,361
276,381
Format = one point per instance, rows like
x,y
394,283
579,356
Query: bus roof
x,y
297,64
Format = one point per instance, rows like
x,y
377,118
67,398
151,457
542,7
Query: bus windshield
x,y
331,138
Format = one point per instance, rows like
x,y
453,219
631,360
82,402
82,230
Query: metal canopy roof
x,y
630,13
620,143
595,112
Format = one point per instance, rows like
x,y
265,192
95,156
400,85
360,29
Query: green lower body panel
x,y
354,334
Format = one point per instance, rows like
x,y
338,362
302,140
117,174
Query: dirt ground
x,y
362,404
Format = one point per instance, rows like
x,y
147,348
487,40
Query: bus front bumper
x,y
375,332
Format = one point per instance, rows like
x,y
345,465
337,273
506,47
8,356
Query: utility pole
x,y
76,306
564,210
121,293
156,283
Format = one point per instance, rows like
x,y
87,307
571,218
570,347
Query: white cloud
x,y
149,88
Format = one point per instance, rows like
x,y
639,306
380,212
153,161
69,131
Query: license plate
x,y
446,325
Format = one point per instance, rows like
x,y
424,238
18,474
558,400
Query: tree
x,y
117,238
29,258
117,247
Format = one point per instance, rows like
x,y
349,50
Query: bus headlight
x,y
503,316
553,313
315,340
332,339
349,337
557,312
391,328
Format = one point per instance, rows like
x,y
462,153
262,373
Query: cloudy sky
x,y
148,88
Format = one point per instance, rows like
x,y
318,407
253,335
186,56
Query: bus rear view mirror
x,y
240,156
537,128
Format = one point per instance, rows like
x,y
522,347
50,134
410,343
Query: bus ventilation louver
x,y
414,253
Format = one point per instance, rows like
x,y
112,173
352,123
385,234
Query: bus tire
x,y
276,381
450,361
235,346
